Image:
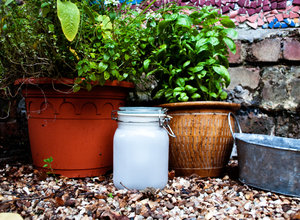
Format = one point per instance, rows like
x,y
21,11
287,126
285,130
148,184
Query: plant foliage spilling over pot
x,y
189,53
188,58
55,46
89,41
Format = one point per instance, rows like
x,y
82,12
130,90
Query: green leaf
x,y
146,64
201,74
106,57
195,69
186,64
105,22
110,195
45,11
183,97
190,89
159,94
184,20
223,95
222,71
89,87
204,89
200,43
168,93
178,89
102,67
76,88
212,94
152,72
226,22
127,57
180,82
213,41
45,165
161,26
92,77
106,75
69,17
89,13
230,32
231,45
195,96
7,2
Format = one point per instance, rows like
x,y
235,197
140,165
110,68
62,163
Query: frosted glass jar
x,y
141,148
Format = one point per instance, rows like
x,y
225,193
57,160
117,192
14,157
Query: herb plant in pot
x,y
189,61
76,62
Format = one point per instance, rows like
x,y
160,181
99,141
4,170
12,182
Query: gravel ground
x,y
34,195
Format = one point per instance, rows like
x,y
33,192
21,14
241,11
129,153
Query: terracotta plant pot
x,y
204,142
75,129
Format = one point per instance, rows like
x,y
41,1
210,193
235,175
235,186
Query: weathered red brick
x,y
237,57
291,49
268,50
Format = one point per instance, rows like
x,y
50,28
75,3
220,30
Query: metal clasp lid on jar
x,y
145,112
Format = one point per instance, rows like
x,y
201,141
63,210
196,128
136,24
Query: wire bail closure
x,y
165,124
163,121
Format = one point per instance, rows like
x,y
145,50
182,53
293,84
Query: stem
x,y
143,11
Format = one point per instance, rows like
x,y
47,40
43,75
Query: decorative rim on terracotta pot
x,y
75,128
67,81
202,104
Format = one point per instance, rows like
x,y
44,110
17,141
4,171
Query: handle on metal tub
x,y
237,122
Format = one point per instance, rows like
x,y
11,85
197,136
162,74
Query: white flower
x,y
112,2
153,15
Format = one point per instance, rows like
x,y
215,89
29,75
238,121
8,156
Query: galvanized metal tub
x,y
268,162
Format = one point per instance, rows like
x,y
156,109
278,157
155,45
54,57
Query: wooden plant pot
x,y
75,129
203,140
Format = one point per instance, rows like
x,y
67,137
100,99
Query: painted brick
x,y
232,6
251,11
291,49
253,4
241,3
279,17
281,5
242,11
296,2
266,8
207,3
274,5
225,9
268,50
266,2
259,3
294,15
257,10
237,57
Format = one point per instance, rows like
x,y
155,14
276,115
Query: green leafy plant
x,y
112,43
189,53
48,165
88,41
32,43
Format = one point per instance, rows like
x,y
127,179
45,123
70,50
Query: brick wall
x,y
265,75
255,13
